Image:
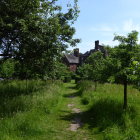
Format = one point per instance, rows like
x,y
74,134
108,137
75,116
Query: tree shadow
x,y
102,114
11,90
72,87
9,107
13,97
72,95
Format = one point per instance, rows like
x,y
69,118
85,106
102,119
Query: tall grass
x,y
105,110
24,106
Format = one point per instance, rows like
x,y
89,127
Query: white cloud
x,y
129,25
104,28
123,27
105,33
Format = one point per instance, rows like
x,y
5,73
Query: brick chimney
x,y
96,44
76,52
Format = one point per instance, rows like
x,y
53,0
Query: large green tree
x,y
35,33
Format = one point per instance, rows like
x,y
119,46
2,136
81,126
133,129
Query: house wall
x,y
73,67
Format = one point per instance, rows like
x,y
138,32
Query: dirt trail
x,y
71,114
76,121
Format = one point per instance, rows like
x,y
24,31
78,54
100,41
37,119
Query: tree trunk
x,y
125,95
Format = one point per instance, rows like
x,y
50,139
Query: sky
x,y
101,19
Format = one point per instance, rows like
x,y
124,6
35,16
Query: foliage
x,y
35,33
135,67
120,66
96,61
93,68
124,53
7,69
59,71
83,72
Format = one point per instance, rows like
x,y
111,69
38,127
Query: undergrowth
x,y
105,111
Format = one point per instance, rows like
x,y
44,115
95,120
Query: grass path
x,y
71,120
57,112
65,122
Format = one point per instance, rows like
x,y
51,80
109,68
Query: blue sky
x,y
101,19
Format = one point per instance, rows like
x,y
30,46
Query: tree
x,y
135,67
92,69
35,33
124,54
96,61
83,72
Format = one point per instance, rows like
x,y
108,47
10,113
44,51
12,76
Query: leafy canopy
x,y
35,33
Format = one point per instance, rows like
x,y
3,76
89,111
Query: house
x,y
75,59
72,60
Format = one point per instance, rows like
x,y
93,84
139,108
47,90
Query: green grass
x,y
37,110
24,108
105,111
42,114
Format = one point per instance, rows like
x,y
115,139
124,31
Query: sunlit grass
x,y
43,113
105,110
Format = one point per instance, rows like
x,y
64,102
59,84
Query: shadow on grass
x,y
104,113
9,107
15,95
28,129
72,87
11,90
72,95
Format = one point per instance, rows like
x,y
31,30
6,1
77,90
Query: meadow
x,y
105,112
24,106
38,110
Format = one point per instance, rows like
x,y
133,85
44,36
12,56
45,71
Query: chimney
x,y
96,44
76,52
